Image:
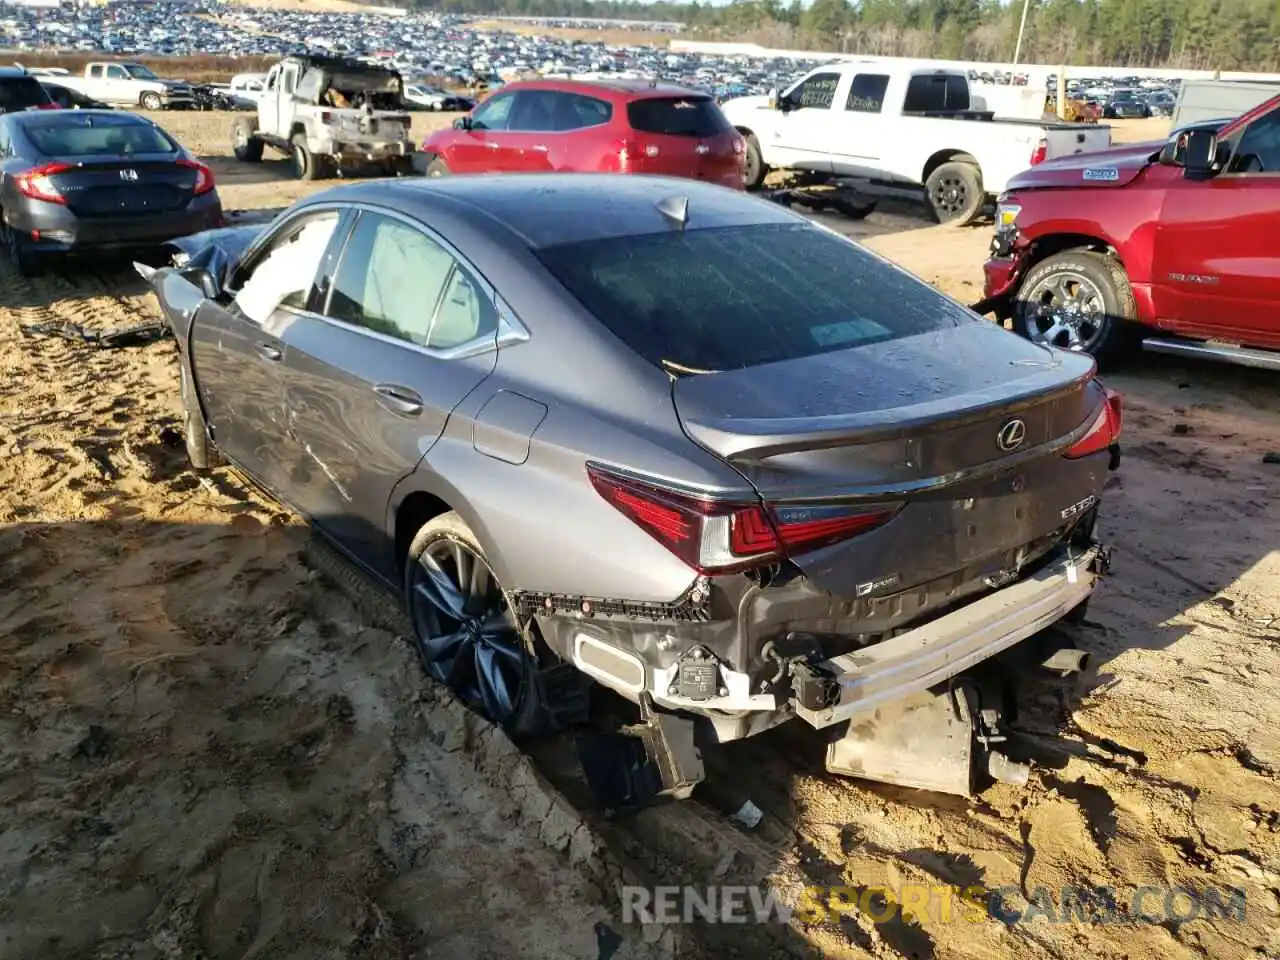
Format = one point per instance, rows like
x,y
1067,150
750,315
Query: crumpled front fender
x,y
216,250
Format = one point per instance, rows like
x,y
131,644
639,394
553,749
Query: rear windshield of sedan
x,y
735,297
677,116
68,136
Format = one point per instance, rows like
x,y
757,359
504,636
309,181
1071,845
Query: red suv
x,y
612,126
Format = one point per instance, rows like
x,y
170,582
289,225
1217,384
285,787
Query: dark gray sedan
x,y
78,181
681,440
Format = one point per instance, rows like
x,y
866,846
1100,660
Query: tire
x,y
437,168
754,169
246,145
1105,329
523,711
954,192
24,261
200,451
151,101
304,161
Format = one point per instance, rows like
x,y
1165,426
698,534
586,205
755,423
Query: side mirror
x,y
462,123
205,280
1200,155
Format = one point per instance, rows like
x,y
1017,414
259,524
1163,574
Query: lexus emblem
x,y
130,175
1011,435
702,149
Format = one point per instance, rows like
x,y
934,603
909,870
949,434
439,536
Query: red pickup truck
x,y
1173,245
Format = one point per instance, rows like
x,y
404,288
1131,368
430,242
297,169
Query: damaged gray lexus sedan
x,y
662,435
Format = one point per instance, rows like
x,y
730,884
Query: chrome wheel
x,y
1065,310
465,633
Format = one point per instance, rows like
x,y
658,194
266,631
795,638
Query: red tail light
x,y
48,106
1040,152
38,185
715,536
204,176
1104,432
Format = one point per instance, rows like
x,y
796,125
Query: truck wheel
x,y
754,170
438,168
247,147
955,193
306,165
1077,300
151,101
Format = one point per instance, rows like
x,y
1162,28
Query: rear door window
x,y
935,92
866,93
590,112
690,116
725,299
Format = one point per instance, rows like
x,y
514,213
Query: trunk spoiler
x,y
739,440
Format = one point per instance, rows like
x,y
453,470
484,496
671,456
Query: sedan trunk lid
x,y
957,434
124,186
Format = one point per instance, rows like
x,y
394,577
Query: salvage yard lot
x,y
205,748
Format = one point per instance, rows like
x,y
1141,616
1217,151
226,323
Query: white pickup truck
x,y
901,127
130,85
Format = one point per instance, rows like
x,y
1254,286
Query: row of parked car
x,y
1067,267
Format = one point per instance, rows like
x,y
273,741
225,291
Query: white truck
x,y
248,86
328,113
130,85
912,128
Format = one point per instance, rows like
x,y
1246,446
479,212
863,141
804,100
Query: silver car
x,y
655,433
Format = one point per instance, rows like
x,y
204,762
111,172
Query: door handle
x,y
268,352
399,399
540,147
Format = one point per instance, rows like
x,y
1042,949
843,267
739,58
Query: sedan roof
x,y
545,210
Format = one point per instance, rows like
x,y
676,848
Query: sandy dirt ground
x,y
208,749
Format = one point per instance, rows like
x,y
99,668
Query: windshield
x,y
735,297
139,72
76,135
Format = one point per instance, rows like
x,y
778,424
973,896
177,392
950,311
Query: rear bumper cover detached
x,y
828,690
857,682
